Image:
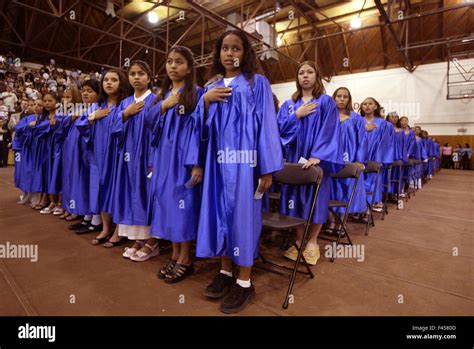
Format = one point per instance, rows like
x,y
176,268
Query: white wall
x,y
420,95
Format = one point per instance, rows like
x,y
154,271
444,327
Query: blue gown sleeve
x,y
362,142
387,143
118,125
269,154
433,148
411,145
21,126
41,129
155,121
287,122
194,149
325,146
19,134
424,153
206,117
85,129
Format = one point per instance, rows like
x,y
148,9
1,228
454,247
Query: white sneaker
x,y
377,209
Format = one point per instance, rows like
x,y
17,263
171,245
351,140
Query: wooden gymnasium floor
x,y
408,254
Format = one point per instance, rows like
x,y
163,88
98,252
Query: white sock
x,y
96,219
88,217
244,284
228,273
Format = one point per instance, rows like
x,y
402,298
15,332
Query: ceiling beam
x,y
99,64
384,46
142,28
223,22
12,27
405,18
188,30
82,25
99,39
388,23
138,18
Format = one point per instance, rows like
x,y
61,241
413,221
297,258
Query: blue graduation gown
x,y
42,153
75,167
398,140
18,146
388,154
176,141
408,151
431,153
314,136
132,187
230,218
380,152
56,139
354,149
420,154
102,153
28,157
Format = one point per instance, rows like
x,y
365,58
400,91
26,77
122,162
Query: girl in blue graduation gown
x,y
310,129
75,164
19,148
380,148
29,148
427,145
408,149
102,149
398,139
388,144
53,163
132,182
17,145
176,138
420,154
354,149
243,150
429,171
71,99
38,156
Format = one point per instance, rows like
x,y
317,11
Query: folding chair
x,y
433,161
408,169
386,185
397,182
372,167
417,174
411,176
293,174
351,170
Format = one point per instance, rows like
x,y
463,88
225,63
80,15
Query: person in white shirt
x,y
3,109
9,98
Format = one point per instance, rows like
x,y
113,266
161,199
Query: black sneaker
x,y
237,298
79,225
89,229
220,286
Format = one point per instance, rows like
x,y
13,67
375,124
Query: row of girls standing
x,y
146,167
150,165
